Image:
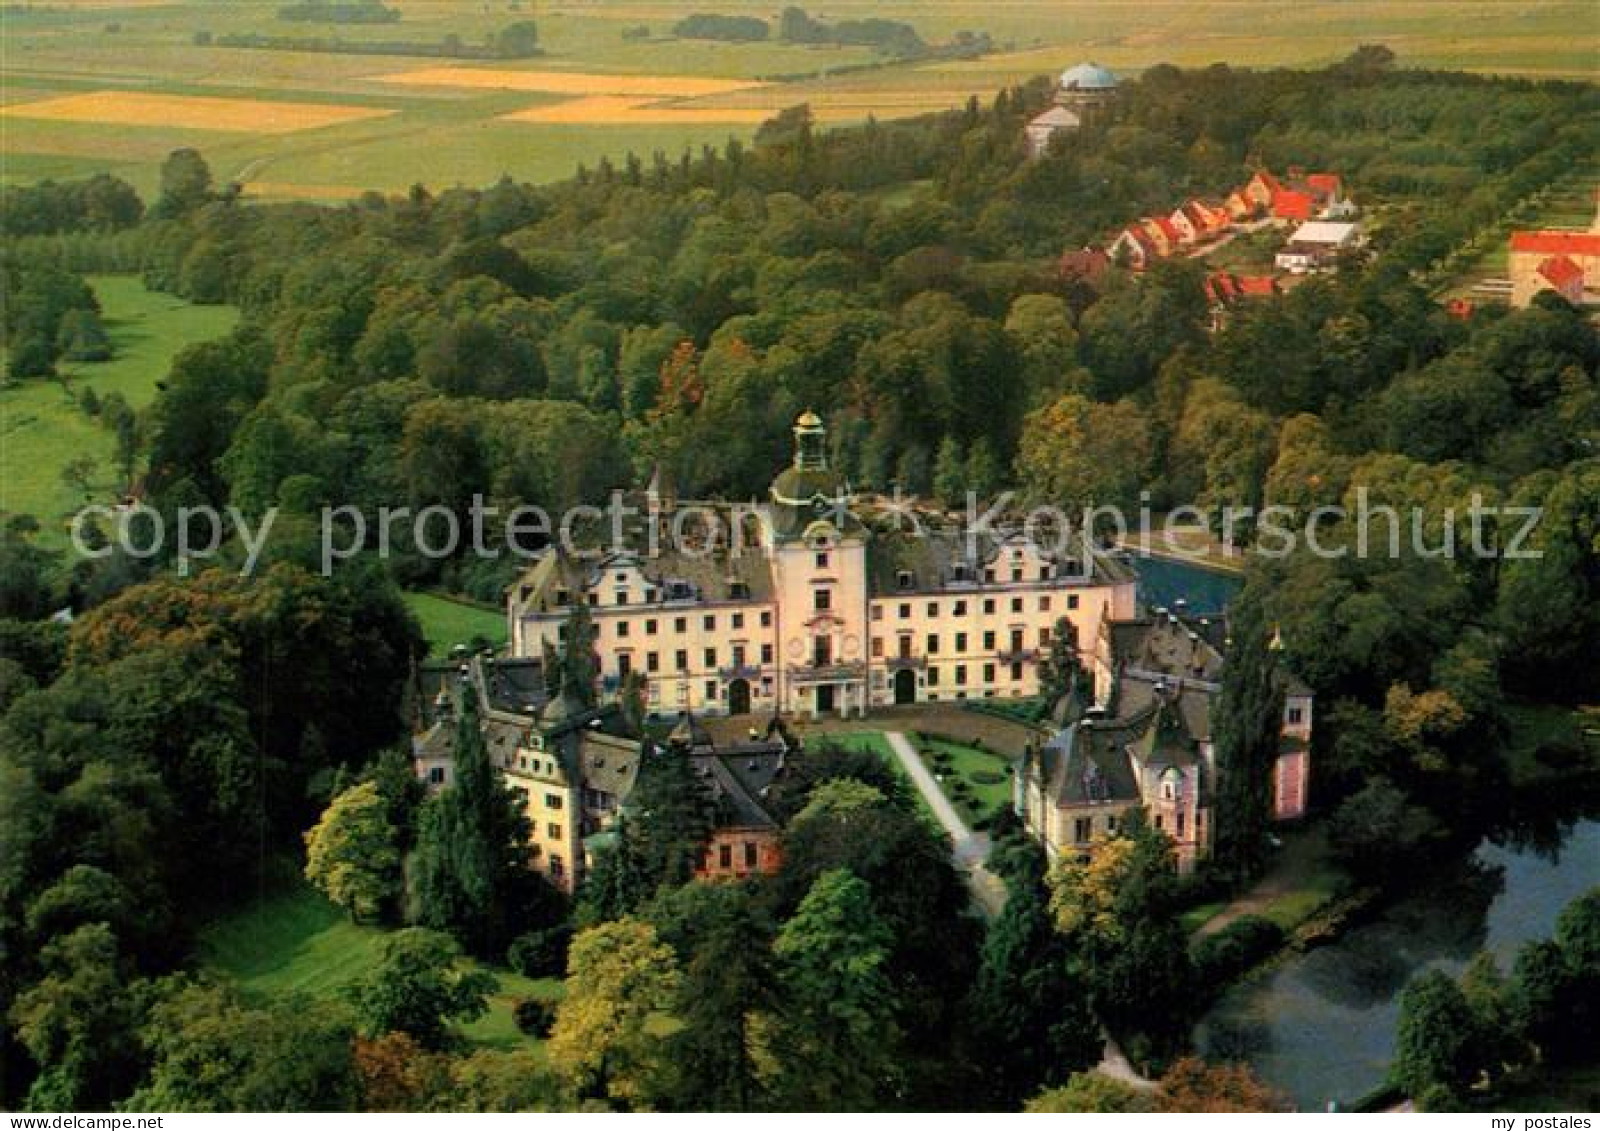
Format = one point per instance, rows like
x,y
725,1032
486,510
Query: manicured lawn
x,y
448,621
986,775
297,942
42,426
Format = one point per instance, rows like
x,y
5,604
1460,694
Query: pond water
x,y
1321,1027
1163,581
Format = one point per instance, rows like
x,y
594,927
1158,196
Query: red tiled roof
x,y
1325,183
1291,204
1257,286
1557,243
1168,228
1561,272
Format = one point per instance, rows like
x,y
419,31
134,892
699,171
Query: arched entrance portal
x,y
905,686
739,697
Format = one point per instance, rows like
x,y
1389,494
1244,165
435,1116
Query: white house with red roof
x,y
1566,262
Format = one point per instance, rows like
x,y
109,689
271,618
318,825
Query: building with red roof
x,y
1566,262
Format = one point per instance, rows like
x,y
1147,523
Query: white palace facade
x,y
821,610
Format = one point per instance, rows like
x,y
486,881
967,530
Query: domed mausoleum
x,y
1083,93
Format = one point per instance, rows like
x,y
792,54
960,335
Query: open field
x,y
567,82
294,941
103,72
42,425
187,111
447,622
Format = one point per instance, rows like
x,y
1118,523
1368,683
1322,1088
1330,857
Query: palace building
x,y
816,609
1143,739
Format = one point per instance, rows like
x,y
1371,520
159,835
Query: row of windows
x,y
680,625
725,856
958,608
1016,643
680,659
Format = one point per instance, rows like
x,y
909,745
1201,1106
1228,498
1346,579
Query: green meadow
x,y
449,621
296,942
43,425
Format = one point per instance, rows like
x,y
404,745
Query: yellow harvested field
x,y
611,110
569,82
191,112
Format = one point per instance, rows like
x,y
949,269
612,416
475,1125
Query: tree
x,y
352,856
620,976
1246,729
673,816
836,1012
726,998
420,987
78,1023
1192,1085
78,474
185,184
213,1053
472,845
1436,1038
82,337
1031,1024
1077,453
1118,912
1090,1093
1376,829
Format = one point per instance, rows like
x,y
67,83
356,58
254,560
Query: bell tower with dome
x,y
819,572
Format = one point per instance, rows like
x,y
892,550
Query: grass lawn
x,y
42,425
986,775
448,621
297,942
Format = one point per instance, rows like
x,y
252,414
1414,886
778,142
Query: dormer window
x,y
904,579
563,596
738,590
959,571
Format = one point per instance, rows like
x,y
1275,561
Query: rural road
x,y
970,849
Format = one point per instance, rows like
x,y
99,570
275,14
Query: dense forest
x,y
546,344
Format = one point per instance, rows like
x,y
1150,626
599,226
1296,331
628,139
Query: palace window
x,y
682,659
711,657
960,609
738,620
622,628
961,675
933,608
652,661
680,624
552,801
933,643
766,653
988,606
1083,829
822,561
709,623
650,627
988,642
766,618
823,599
1072,600
961,642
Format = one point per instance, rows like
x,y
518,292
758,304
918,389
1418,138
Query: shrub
x,y
1225,955
534,1017
988,777
540,954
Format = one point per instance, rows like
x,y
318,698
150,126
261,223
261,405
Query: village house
x,y
1565,262
1225,290
1317,245
1144,740
807,611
